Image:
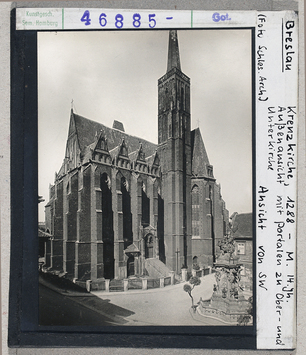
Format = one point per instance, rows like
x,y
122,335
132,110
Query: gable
x,y
72,127
141,155
156,161
102,143
199,158
123,151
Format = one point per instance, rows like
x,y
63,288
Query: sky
x,y
112,75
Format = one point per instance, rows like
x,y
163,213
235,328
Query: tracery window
x,y
195,201
126,212
210,198
182,98
107,226
145,205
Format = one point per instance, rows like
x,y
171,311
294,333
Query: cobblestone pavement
x,y
163,306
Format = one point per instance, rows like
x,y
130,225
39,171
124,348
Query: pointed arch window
x,y
182,98
210,198
127,214
145,205
107,227
149,247
195,201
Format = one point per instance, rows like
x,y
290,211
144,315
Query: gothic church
x,y
121,206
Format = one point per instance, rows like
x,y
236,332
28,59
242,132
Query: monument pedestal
x,y
227,303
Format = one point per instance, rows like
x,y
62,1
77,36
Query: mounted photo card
x,y
154,165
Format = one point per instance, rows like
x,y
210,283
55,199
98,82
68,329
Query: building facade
x,y
122,206
242,231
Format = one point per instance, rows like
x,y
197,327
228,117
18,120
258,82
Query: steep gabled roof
x,y
199,155
242,225
86,132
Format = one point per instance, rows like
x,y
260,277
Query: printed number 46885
x,y
118,20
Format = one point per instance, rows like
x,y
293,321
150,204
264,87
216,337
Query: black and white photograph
x,y
145,171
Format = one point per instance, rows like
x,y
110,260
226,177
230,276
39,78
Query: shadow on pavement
x,y
72,306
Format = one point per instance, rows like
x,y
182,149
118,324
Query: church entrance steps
x,y
156,268
116,286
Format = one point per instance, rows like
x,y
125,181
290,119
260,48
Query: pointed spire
x,y
72,126
173,51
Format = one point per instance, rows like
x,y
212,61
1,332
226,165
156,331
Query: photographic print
x,y
136,210
145,178
154,164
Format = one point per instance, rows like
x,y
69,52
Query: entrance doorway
x,y
131,266
149,247
108,260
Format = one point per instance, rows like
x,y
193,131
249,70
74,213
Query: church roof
x,y
153,159
86,132
150,159
114,152
133,155
199,155
242,225
132,249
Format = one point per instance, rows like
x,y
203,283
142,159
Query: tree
x,y
194,281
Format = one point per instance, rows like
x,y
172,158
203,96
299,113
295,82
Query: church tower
x,y
174,149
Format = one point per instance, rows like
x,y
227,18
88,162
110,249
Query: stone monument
x,y
227,302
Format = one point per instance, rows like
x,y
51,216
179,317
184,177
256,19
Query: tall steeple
x,y
173,96
174,150
173,51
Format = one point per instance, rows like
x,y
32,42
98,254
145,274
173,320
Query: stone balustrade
x,y
143,283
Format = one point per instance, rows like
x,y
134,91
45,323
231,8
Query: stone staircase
x,y
116,286
156,268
